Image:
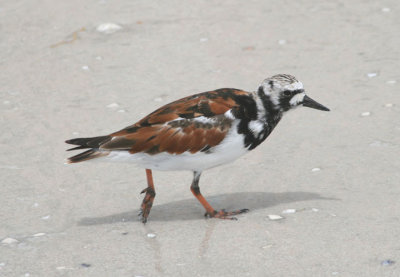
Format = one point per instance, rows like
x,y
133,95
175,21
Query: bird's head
x,y
285,92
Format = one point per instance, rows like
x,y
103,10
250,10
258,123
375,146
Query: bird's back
x,y
192,125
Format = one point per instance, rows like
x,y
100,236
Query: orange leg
x,y
210,212
148,198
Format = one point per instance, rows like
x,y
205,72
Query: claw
x,y
222,214
147,203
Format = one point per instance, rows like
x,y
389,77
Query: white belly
x,y
231,148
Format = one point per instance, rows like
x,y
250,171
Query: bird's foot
x,y
147,203
222,214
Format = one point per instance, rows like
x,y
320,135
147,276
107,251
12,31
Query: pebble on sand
x,y
108,28
9,241
365,114
113,106
274,217
267,246
372,74
389,105
289,211
387,262
315,169
391,82
386,10
39,234
151,235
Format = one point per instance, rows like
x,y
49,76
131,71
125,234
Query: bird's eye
x,y
288,93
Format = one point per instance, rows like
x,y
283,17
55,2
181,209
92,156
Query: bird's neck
x,y
268,111
256,130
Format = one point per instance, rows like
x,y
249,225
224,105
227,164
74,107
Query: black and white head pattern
x,y
284,91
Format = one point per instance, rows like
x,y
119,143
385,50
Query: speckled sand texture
x,y
323,190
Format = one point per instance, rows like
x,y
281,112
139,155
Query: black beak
x,y
308,102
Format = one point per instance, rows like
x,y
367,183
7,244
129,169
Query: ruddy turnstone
x,y
198,132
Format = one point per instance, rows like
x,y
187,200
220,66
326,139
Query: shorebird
x,y
199,132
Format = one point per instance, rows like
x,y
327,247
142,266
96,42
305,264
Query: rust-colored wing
x,y
176,128
207,104
174,137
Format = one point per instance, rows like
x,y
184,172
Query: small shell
x,y
9,241
372,74
108,28
274,217
112,105
289,211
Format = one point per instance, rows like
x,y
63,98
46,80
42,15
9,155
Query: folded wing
x,y
194,123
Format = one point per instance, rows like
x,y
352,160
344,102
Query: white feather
x,y
256,127
298,98
229,114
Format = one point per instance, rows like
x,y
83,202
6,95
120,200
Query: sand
x,y
65,74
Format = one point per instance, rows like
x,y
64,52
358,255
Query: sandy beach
x,y
87,68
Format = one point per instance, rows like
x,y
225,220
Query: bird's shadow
x,y
190,209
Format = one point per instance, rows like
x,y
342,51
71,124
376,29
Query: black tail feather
x,y
77,148
87,155
84,143
81,157
94,142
